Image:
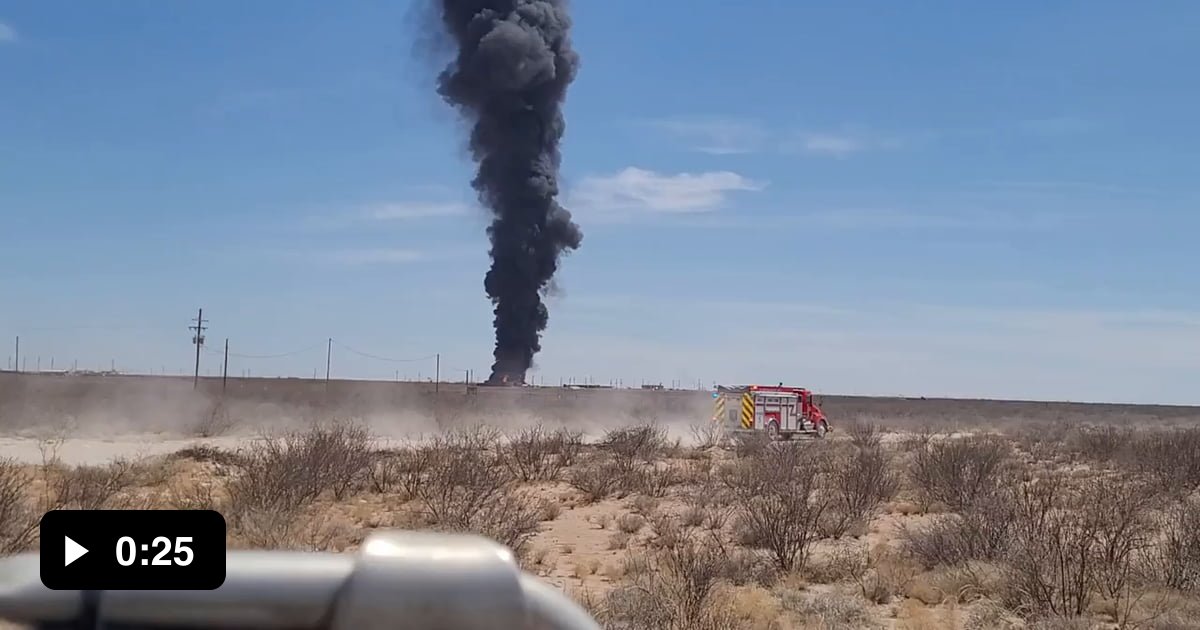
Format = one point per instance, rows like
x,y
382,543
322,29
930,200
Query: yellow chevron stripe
x,y
748,410
719,409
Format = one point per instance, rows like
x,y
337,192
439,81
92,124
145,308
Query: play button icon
x,y
72,551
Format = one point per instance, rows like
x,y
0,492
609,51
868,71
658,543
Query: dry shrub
x,y
602,520
204,453
746,567
917,440
969,582
706,488
1100,444
386,472
549,509
630,447
1050,563
630,523
668,532
18,519
110,486
777,501
749,607
619,540
1120,509
182,495
652,482
645,505
698,472
618,475
986,614
285,474
586,566
751,444
959,471
540,557
671,589
860,480
408,465
693,516
265,499
707,435
598,479
1044,441
981,532
535,454
1060,545
1170,458
1176,561
880,573
295,530
215,420
461,486
715,518
828,611
92,487
1054,621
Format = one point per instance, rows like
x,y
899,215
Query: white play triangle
x,y
73,551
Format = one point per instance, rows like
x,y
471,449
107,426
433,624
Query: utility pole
x,y
198,340
437,372
17,359
328,359
225,366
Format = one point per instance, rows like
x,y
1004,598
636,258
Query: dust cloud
x,y
94,419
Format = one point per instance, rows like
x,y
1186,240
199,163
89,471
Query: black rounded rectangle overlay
x,y
132,549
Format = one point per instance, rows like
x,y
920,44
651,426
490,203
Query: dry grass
x,y
1058,526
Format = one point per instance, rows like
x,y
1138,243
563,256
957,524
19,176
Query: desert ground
x,y
911,514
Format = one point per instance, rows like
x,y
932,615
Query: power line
x,y
105,327
238,355
381,358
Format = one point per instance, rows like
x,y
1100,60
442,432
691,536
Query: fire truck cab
x,y
782,412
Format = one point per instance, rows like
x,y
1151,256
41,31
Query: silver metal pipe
x,y
398,578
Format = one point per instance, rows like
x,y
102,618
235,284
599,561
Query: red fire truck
x,y
780,411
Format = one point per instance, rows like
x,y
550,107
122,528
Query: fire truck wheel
x,y
821,429
773,430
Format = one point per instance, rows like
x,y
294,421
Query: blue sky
x,y
863,197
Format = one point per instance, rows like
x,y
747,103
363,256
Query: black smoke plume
x,y
509,79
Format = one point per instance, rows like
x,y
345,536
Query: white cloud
x,y
391,211
831,145
727,135
637,189
8,34
380,256
403,210
839,144
714,135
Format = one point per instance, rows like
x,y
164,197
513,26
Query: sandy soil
x,y
99,451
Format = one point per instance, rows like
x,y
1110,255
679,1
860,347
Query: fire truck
x,y
782,412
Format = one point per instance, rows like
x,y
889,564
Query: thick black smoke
x,y
509,78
